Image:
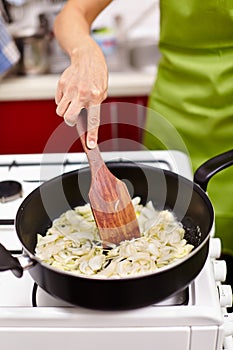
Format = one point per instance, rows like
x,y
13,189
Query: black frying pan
x,y
187,199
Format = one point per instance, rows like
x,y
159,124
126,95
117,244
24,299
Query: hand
x,y
83,85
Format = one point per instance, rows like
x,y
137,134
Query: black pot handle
x,y
211,167
8,262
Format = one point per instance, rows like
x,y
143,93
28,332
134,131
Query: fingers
x,y
58,95
93,122
69,110
82,87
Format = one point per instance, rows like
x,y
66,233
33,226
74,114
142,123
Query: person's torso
x,y
196,68
196,23
194,89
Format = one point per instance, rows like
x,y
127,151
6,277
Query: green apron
x,y
194,92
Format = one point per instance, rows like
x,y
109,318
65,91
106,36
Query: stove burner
x,y
10,190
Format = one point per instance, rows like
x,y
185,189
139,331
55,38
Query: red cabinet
x,y
32,126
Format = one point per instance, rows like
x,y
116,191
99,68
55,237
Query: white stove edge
x,y
205,310
180,161
205,329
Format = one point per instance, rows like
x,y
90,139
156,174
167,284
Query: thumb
x,y
93,122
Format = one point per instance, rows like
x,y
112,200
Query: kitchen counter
x,y
42,87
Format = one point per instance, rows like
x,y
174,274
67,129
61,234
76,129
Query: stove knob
x,y
228,343
225,295
228,325
220,270
215,248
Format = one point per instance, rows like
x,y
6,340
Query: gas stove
x,y
196,318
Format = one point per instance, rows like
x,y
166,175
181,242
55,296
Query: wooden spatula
x,y
109,197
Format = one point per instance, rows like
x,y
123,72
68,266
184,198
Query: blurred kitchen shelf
x,y
37,87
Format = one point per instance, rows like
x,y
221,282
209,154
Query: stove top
x,y
196,318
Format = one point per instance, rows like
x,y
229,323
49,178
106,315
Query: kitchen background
x,y
120,27
128,33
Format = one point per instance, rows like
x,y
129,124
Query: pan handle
x,y
211,167
8,262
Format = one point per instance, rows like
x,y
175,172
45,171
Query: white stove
x,y
196,319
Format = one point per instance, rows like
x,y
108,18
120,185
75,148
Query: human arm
x,y
84,83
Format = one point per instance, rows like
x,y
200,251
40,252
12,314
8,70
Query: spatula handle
x,y
93,155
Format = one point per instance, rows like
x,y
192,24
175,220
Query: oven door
x,y
146,338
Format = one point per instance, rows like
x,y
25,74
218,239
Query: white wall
x,y
144,13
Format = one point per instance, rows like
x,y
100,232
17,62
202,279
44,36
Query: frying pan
x,y
167,190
